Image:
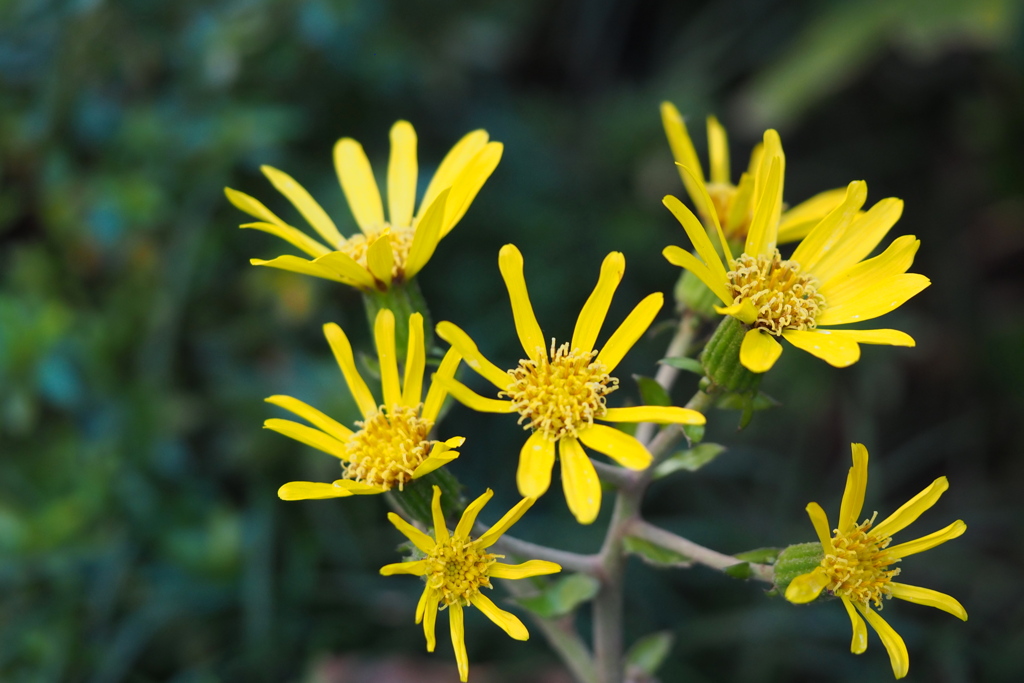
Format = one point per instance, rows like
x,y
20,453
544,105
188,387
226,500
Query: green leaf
x,y
652,393
760,555
689,364
654,555
561,596
739,571
694,433
746,401
649,653
690,460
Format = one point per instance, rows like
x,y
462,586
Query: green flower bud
x,y
795,561
721,360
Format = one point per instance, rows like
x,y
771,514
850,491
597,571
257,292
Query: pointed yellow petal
x,y
759,351
294,264
807,587
384,334
508,622
743,310
307,435
253,207
801,219
678,256
458,630
359,185
346,362
437,392
619,446
591,318
859,641
469,398
357,488
929,598
829,231
452,164
895,260
524,570
468,349
417,568
681,144
310,490
706,208
426,237
536,459
741,206
346,269
510,262
419,539
718,151
819,520
415,363
859,240
695,231
579,481
878,299
662,415
469,515
441,454
894,645
468,183
912,509
292,236
763,233
430,618
770,154
306,205
888,337
839,351
380,259
856,485
402,171
504,524
928,542
421,606
312,415
631,329
437,515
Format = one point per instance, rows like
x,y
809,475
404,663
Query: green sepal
x,y
721,360
796,560
692,293
655,555
416,497
691,459
647,655
403,300
561,596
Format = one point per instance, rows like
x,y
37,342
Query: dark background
x,y
141,538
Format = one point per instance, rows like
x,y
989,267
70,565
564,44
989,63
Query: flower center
x,y
458,570
389,446
858,566
401,242
784,298
560,396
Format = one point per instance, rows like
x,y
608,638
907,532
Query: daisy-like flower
x,y
456,567
560,390
733,205
858,563
392,445
825,282
387,250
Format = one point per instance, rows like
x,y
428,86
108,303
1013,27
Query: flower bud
x,y
795,561
721,360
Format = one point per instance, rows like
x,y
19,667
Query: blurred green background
x,y
141,538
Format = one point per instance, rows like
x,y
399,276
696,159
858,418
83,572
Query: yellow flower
x,y
392,445
456,567
388,250
825,282
858,560
733,205
559,392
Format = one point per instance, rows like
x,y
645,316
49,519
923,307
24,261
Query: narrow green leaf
x,y
689,364
652,393
649,653
690,460
760,555
561,596
746,401
694,433
739,571
653,554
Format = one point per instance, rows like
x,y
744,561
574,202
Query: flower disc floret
x,y
858,566
784,298
562,395
458,570
388,448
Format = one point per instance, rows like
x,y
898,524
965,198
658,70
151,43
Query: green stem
x,y
696,552
574,562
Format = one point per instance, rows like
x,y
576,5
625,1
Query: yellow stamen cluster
x,y
389,446
858,566
458,570
401,242
784,298
563,395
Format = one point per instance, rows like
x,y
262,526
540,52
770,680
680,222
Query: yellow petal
x,y
871,302
346,362
292,236
452,164
380,259
402,171
430,618
510,262
422,604
306,205
678,256
759,351
706,208
740,207
579,481
619,446
681,144
819,520
441,454
837,350
504,524
508,622
417,568
698,236
763,233
807,587
309,436
928,542
468,183
929,598
718,151
894,645
415,363
469,515
310,490
524,570
253,207
801,219
888,337
437,516
859,240
592,315
469,398
859,641
631,329
294,264
743,310
824,236
346,269
656,414
426,237
536,459
312,415
419,539
458,630
895,260
769,153
856,485
436,393
469,351
384,334
359,185
912,509
357,488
